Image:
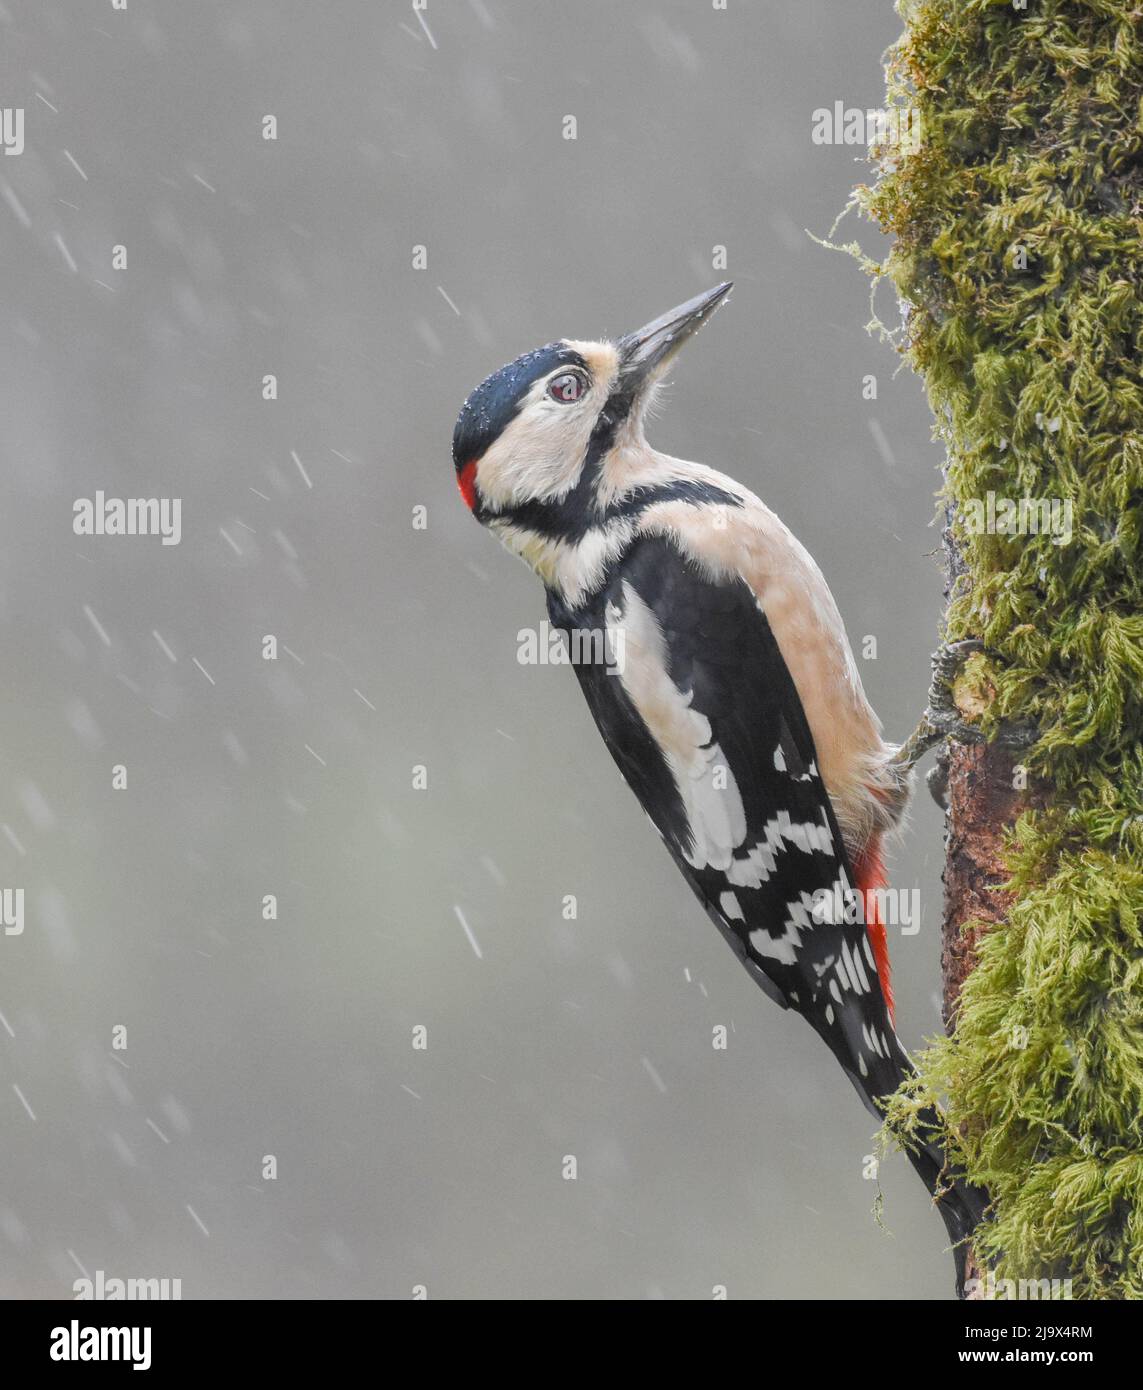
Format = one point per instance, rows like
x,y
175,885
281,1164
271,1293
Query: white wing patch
x,y
706,786
716,817
712,802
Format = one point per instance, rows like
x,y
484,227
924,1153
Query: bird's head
x,y
532,440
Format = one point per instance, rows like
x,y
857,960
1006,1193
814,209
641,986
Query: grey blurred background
x,y
293,1037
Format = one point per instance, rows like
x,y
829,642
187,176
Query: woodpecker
x,y
724,686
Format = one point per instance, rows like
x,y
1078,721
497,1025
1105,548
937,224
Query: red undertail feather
x,y
870,874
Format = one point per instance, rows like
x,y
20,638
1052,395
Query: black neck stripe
x,y
573,516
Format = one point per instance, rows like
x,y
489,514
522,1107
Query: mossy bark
x,y
1018,258
983,805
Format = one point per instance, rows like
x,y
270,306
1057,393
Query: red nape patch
x,y
466,481
870,874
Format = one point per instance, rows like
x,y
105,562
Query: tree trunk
x,y
1018,257
983,805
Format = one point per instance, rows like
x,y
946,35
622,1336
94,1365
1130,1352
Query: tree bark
x,y
1017,254
983,805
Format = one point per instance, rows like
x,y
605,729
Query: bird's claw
x,y
943,720
937,781
947,660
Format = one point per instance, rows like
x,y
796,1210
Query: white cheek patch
x,y
540,455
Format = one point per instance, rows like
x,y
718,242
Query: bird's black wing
x,y
699,710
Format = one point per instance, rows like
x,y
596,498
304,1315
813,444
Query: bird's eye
x,y
567,387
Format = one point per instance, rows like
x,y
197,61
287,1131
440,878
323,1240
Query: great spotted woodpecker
x,y
736,714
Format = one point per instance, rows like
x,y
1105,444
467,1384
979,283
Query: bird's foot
x,y
944,719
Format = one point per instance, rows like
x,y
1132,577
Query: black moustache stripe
x,y
572,517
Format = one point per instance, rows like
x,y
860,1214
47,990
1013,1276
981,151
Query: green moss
x,y
1032,156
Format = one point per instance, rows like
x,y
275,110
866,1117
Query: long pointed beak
x,y
643,354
